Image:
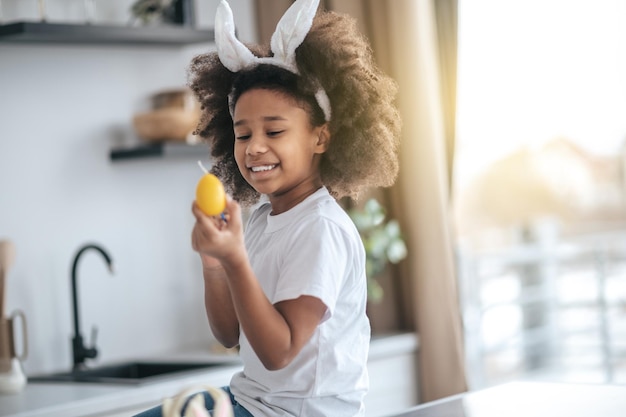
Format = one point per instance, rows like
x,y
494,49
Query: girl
x,y
303,124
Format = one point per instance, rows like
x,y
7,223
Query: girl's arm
x,y
218,304
278,332
217,300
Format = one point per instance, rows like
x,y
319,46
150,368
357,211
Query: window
x,y
540,201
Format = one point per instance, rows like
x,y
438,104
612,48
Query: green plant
x,y
149,10
383,243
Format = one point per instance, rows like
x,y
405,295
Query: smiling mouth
x,y
262,168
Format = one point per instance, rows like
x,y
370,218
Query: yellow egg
x,y
210,195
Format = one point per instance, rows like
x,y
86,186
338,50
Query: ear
x,y
323,139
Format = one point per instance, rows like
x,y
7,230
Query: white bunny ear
x,y
233,54
291,31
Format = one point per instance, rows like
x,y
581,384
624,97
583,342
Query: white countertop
x,y
529,399
66,399
56,399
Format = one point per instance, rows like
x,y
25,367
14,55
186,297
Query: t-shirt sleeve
x,y
315,263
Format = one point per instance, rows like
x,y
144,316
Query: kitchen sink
x,y
126,373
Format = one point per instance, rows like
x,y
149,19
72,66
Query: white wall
x,y
62,108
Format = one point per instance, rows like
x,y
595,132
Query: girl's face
x,y
276,148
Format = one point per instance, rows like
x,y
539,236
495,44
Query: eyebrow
x,y
265,119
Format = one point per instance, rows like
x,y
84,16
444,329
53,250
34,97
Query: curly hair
x,y
365,124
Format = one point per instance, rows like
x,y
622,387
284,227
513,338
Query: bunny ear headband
x,y
290,32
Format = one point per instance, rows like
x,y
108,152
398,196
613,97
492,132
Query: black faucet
x,y
79,351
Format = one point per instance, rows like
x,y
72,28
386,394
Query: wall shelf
x,y
43,32
159,150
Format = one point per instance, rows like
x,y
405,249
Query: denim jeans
x,y
239,411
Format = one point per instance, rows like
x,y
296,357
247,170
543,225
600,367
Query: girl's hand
x,y
218,240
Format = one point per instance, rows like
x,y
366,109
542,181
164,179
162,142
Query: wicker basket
x,y
174,115
166,124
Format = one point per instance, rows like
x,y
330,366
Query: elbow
x,y
228,344
274,366
275,362
227,340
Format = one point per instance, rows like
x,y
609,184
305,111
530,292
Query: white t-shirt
x,y
313,249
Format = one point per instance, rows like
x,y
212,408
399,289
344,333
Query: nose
x,y
256,145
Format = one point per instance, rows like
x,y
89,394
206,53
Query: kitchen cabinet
x,y
60,33
392,368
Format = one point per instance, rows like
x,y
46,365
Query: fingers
x,y
213,234
197,212
203,229
203,219
205,233
233,209
194,240
197,238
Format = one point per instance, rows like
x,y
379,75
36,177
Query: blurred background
x,y
511,196
540,197
65,106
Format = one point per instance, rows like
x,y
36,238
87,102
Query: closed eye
x,y
242,137
274,133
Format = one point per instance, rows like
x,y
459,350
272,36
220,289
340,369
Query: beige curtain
x,y
446,16
422,198
268,13
404,36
